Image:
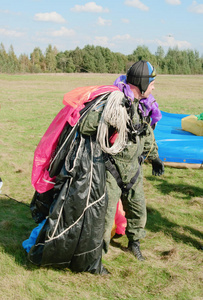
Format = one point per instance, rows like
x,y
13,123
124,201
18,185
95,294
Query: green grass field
x,y
173,245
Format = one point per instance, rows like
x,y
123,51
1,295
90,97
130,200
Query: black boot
x,y
134,247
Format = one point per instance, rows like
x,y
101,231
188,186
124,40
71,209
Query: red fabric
x,y
120,220
113,137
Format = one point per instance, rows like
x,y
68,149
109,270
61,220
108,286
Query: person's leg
x,y
135,213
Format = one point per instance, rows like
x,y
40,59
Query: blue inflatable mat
x,y
175,144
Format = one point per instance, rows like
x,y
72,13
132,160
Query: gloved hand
x,y
157,167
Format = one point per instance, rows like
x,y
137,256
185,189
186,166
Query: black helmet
x,y
141,74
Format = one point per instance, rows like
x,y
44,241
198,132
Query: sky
x,y
120,25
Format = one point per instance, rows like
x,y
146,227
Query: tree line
x,y
97,59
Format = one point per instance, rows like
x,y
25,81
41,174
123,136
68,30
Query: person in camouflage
x,y
127,185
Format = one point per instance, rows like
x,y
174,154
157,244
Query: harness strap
x,y
111,167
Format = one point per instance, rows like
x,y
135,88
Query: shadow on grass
x,y
156,222
16,225
183,191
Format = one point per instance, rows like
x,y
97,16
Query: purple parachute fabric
x,y
151,106
150,103
120,82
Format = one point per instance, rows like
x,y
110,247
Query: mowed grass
x,y
173,245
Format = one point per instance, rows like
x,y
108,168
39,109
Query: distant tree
x,y
50,59
131,58
143,53
100,63
170,62
3,59
88,59
101,60
77,59
195,62
117,63
182,62
130,61
159,54
122,61
25,63
107,54
3,53
61,59
37,61
70,67
13,64
65,62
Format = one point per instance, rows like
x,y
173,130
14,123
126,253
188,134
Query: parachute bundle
x,y
71,205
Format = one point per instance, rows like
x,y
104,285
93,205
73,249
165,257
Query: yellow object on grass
x,y
193,125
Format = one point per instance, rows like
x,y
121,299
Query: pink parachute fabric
x,y
74,102
120,220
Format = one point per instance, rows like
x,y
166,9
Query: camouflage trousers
x,y
134,207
